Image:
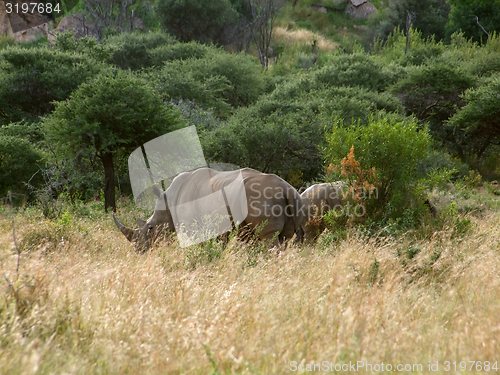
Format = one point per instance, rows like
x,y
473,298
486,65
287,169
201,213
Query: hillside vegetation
x,y
404,105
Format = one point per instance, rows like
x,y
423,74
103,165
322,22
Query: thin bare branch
x,y
14,234
482,28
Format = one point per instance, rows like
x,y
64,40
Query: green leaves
x,y
487,12
480,117
194,20
115,112
18,157
394,148
280,142
358,70
31,79
110,116
219,80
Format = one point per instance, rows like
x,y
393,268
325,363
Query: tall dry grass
x,y
304,37
83,303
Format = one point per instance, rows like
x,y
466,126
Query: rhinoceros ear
x,y
157,190
140,222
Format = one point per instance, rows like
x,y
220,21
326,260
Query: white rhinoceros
x,y
205,203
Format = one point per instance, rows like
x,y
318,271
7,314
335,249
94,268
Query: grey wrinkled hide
x,y
269,199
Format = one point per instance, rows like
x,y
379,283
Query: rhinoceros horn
x,y
128,232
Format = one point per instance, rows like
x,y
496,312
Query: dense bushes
x,y
462,18
32,78
219,80
281,143
480,117
432,92
18,158
195,20
132,51
272,121
358,70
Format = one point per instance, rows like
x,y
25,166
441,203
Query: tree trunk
x,y
409,17
484,147
109,181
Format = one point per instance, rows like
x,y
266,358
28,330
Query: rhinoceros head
x,y
150,229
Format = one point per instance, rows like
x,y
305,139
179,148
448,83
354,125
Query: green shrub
x,y
48,235
177,82
189,20
32,79
204,253
479,118
473,179
433,92
439,178
352,104
177,51
220,80
493,189
18,163
5,42
459,224
65,41
347,103
429,18
488,13
358,70
282,142
484,65
420,50
439,160
394,149
132,51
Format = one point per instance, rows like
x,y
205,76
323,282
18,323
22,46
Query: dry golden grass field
x,y
83,302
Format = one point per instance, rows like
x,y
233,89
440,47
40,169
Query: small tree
x,y
475,18
110,16
110,116
357,70
432,93
264,13
480,117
